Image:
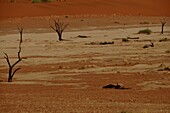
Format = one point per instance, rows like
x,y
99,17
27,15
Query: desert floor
x,y
68,76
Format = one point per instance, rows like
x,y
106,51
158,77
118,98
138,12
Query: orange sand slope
x,y
24,8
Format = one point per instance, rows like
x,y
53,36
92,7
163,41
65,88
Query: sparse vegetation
x,y
100,43
116,22
167,51
144,22
132,37
163,40
145,31
164,69
105,43
83,36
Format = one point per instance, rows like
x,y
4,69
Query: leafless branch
x,y
15,72
53,28
7,59
20,30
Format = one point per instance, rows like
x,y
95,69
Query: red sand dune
x,y
24,8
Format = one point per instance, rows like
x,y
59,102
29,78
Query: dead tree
x,y
59,28
11,73
149,45
163,22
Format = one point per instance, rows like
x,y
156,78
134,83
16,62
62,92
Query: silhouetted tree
x,y
59,28
11,72
163,22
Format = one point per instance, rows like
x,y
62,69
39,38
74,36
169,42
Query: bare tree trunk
x,y
11,73
163,22
60,37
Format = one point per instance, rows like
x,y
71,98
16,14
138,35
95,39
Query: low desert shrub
x,y
145,31
116,22
163,40
144,23
100,43
83,36
167,51
125,40
132,37
36,1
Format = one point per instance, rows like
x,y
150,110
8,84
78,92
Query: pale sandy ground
x,y
67,76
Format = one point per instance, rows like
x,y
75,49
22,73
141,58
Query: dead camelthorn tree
x,y
163,22
11,73
59,28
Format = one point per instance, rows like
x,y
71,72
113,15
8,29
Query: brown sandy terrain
x,y
68,76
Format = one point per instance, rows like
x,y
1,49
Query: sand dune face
x,y
23,8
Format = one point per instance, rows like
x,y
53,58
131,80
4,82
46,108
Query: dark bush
x,y
145,31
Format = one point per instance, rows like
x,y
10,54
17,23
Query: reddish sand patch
x,y
24,8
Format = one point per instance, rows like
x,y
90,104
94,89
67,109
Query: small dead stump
x,y
125,40
83,36
164,40
149,45
100,43
105,43
163,67
117,86
133,38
